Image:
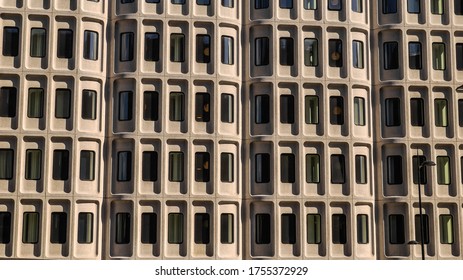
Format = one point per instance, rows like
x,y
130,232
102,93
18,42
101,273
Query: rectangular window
x,y
334,5
152,1
60,165
286,4
338,169
310,52
425,228
312,168
176,166
58,230
88,104
126,1
203,48
148,228
413,6
416,162
261,4
286,51
287,108
357,53
227,56
226,167
228,3
335,51
63,103
459,55
203,2
339,229
389,6
6,164
202,107
122,228
287,168
8,96
90,45
125,105
85,228
359,111
202,228
152,44
446,229
357,6
438,56
65,43
87,165
314,229
33,164
288,229
175,228
262,109
414,55
31,224
394,170
441,112
310,4
437,7
10,41
262,51
150,105
391,55
38,42
460,112
336,110
176,109
362,229
396,229
35,103
361,167
5,227
311,109
124,166
458,7
226,228
178,2
149,166
226,108
443,170
263,228
126,46
202,162
392,112
417,111
262,168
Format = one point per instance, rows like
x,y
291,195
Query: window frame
x,y
151,105
203,107
262,109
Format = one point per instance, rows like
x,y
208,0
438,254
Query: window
x,y
152,1
5,227
6,164
311,109
446,229
262,51
58,229
176,110
261,4
263,228
335,51
314,229
35,103
202,162
362,229
87,165
357,53
203,2
389,6
8,96
10,41
175,228
338,172
361,173
339,229
337,110
124,166
85,228
148,228
177,47
392,112
310,52
152,44
176,166
226,108
226,228
458,7
65,43
312,168
459,55
226,167
60,165
357,6
438,56
33,164
180,2
228,3
63,103
414,55
286,108
150,105
334,5
126,47
202,228
262,168
443,170
413,6
286,51
149,166
460,112
394,170
425,228
203,48
417,111
288,229
437,7
202,108
125,105
286,4
88,104
122,228
90,45
416,162
227,50
287,168
441,112
310,4
38,42
126,1
31,223
262,109
391,55
359,111
396,229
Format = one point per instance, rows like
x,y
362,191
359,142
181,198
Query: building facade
x,y
202,129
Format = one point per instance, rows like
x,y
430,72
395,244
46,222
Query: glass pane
x,y
446,229
226,167
8,102
357,53
417,112
38,42
122,228
362,229
126,47
152,44
314,229
394,170
414,55
262,168
150,105
310,4
124,166
177,47
226,110
176,166
150,166
202,107
425,228
396,229
288,229
203,48
125,105
441,112
148,228
262,51
459,55
443,170
310,52
6,164
60,165
227,50
263,228
359,111
31,223
286,108
286,51
10,41
88,104
226,229
85,228
357,6
335,5
416,163
5,227
335,52
175,228
337,110
35,103
313,168
202,228
202,162
311,109
63,104
261,4
437,7
228,3
361,169
288,168
33,164
438,56
65,43
413,6
389,6
90,45
339,229
58,229
391,55
392,112
176,106
87,165
262,109
338,169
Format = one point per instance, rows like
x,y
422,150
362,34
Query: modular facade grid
x,y
202,129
